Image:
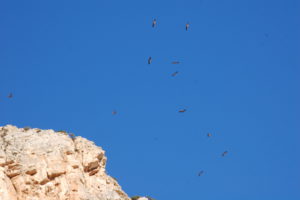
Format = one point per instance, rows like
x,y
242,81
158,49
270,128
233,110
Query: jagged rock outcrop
x,y
47,165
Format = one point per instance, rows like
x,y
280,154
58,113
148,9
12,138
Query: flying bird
x,y
182,111
114,112
175,62
175,73
208,134
149,60
201,173
187,26
224,153
154,23
10,95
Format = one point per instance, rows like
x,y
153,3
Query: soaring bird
x,y
201,173
149,60
154,23
187,26
224,153
175,73
10,95
182,111
208,134
114,112
175,62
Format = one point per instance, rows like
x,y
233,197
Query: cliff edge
x,y
47,165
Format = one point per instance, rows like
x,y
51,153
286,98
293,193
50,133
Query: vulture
x,y
175,73
182,110
154,23
149,60
187,26
200,173
224,153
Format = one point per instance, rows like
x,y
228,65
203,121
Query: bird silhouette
x,y
187,26
201,173
154,23
182,111
175,73
224,153
10,95
149,60
114,112
175,62
208,134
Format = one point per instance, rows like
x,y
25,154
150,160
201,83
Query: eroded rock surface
x,y
47,165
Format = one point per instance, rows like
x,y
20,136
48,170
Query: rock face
x,y
47,165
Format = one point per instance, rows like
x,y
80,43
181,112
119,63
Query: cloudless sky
x,y
69,64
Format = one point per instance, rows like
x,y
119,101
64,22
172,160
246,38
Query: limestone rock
x,y
47,165
141,198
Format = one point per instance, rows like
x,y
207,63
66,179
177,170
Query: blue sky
x,y
69,64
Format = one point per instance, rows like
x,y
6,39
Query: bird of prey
x,y
201,173
154,23
175,73
10,95
208,134
149,60
114,112
224,153
182,111
187,26
175,62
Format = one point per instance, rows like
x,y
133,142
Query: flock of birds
x,y
187,26
114,112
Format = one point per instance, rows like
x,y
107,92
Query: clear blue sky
x,y
70,63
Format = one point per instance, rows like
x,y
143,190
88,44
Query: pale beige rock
x,y
47,165
143,198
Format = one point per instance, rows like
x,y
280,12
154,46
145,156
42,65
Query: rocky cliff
x,y
47,165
